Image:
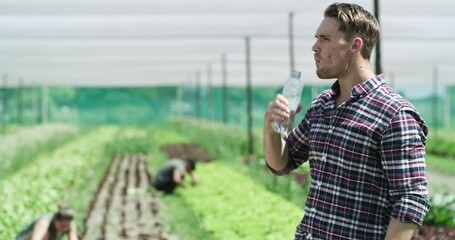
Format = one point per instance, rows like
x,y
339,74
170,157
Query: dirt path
x,y
123,207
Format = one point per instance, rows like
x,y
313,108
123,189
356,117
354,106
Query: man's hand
x,y
277,110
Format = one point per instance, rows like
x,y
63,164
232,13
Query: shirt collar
x,y
362,89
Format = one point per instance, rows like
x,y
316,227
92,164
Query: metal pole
x,y
5,101
44,104
435,99
249,96
447,112
34,98
188,96
198,95
178,99
291,41
19,101
224,80
210,92
378,45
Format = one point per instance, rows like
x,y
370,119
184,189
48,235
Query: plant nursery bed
x,y
124,207
187,150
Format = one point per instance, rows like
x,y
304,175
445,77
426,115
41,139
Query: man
x,y
51,227
172,174
365,144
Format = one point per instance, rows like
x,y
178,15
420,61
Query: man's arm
x,y
40,229
403,160
73,234
400,231
275,149
178,177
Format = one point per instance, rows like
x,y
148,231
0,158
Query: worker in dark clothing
x,y
172,174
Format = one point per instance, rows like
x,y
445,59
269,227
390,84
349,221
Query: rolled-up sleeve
x,y
403,159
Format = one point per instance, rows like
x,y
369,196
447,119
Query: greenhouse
x,y
96,96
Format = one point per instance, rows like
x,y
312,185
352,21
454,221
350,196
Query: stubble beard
x,y
323,73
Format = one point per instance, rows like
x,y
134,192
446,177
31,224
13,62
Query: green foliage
x,y
441,147
63,96
42,186
229,144
441,164
136,142
442,211
235,207
182,220
19,148
219,140
28,156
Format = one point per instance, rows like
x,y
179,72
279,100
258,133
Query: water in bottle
x,y
292,91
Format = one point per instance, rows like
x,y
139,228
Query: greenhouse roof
x,y
149,42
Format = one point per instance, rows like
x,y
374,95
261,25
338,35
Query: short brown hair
x,y
355,21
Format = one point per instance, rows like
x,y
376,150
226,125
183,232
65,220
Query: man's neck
x,y
358,73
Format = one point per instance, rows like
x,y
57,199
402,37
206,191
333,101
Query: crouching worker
x,y
51,226
172,174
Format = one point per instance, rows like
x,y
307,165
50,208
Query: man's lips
x,y
317,59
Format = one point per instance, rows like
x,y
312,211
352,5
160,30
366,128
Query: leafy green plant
x,y
229,144
441,147
43,185
218,139
228,198
129,146
442,210
30,138
440,164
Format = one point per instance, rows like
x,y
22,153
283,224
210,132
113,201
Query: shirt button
x,y
309,236
330,131
319,183
323,158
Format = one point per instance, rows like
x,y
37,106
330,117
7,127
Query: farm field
x,y
104,173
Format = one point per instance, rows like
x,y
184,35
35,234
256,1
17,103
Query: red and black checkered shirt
x,y
367,161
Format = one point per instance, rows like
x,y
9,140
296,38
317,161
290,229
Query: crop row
x,y
30,138
122,207
235,207
40,187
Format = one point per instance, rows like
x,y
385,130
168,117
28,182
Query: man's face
x,y
62,226
331,51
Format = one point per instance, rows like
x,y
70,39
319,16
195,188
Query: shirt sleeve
x,y
403,159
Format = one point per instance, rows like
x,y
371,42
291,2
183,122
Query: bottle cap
x,y
295,74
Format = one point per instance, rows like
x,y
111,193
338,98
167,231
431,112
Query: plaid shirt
x,y
367,161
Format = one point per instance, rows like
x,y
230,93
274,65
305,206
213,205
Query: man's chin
x,y
322,75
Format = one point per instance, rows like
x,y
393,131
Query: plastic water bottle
x,y
292,91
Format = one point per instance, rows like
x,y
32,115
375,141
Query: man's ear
x,y
357,45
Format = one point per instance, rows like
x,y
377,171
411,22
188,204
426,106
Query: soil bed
x,y
124,207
